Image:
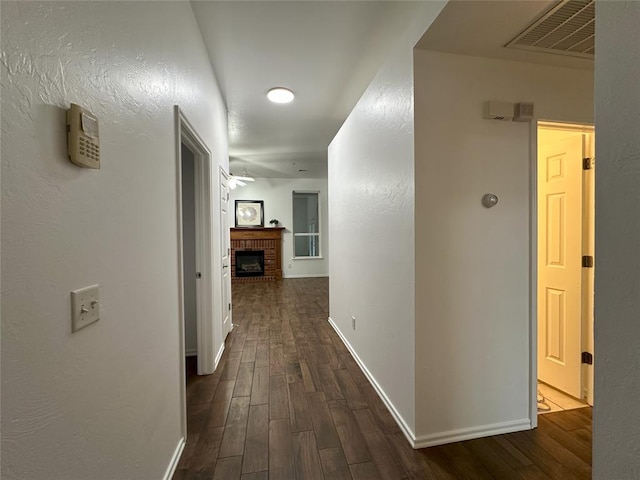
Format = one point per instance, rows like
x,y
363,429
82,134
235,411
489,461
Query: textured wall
x,y
472,263
371,230
616,427
103,402
277,196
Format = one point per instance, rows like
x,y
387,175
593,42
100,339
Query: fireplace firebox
x,y
249,263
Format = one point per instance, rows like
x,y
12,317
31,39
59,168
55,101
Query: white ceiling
x,y
327,52
482,28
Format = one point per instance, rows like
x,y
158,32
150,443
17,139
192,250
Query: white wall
x,y
472,264
189,251
105,401
371,228
616,423
278,203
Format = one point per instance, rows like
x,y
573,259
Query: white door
x,y
560,263
225,250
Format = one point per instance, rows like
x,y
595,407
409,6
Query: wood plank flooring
x,y
289,402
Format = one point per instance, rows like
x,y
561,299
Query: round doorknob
x,y
489,200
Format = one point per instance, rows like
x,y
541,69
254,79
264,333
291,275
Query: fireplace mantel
x,y
245,233
269,240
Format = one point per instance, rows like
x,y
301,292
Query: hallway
x,y
288,401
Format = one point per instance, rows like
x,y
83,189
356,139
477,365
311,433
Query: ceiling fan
x,y
235,180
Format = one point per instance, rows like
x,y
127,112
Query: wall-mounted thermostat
x,y
83,140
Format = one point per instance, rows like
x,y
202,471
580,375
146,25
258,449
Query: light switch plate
x,y
85,307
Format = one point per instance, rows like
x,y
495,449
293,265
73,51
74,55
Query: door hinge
x,y
587,358
198,275
587,163
587,261
229,307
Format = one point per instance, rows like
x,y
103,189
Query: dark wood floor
x,y
289,402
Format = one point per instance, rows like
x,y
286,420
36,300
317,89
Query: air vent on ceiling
x,y
567,28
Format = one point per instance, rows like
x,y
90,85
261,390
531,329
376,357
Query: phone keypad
x,y
82,138
89,149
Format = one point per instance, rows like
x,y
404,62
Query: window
x,y
306,224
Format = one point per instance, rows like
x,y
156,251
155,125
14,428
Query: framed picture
x,y
249,213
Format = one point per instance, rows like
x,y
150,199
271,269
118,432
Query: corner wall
x,y
616,423
371,231
472,285
278,203
103,402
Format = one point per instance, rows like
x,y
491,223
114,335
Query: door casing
x,y
225,252
588,321
186,134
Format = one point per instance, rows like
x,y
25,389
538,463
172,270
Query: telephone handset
x,y
83,140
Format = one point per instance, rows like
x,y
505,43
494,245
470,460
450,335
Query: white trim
x,y
181,334
226,304
307,258
533,275
434,438
408,433
175,459
219,356
186,134
536,124
306,275
462,434
583,127
191,353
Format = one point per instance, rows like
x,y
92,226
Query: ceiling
x,y
327,52
482,28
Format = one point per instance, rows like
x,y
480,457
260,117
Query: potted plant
x,y
274,222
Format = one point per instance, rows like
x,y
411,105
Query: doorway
x,y
194,199
565,262
189,264
225,251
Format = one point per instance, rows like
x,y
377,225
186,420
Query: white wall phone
x,y
83,140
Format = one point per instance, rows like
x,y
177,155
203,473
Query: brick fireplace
x,y
257,242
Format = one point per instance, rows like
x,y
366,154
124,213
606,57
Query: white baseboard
x,y
218,356
408,433
175,459
305,275
436,438
451,436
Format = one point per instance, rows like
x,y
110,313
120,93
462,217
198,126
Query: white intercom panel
x,y
83,140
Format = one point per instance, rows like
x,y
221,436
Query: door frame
x,y
533,252
224,175
187,135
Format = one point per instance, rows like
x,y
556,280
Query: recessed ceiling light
x,y
280,95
